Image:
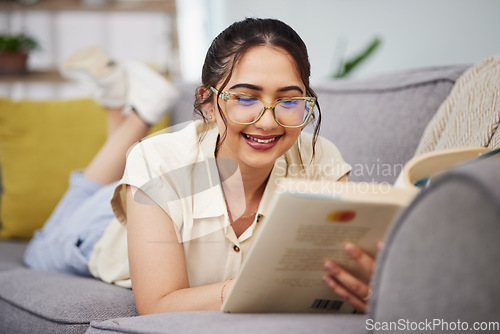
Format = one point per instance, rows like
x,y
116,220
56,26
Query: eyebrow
x,y
259,88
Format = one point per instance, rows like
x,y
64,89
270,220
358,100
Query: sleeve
x,y
162,171
109,258
137,173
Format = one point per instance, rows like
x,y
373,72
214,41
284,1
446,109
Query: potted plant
x,y
14,50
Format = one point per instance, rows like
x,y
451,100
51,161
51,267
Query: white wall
x,y
147,36
414,33
141,35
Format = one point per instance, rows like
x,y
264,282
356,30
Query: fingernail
x,y
327,279
350,248
329,266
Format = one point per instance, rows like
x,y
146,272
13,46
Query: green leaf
x,y
17,43
347,67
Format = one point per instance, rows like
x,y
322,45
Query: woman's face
x,y
270,74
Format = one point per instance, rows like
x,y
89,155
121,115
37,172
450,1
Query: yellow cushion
x,y
40,144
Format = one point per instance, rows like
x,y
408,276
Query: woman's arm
x,y
157,264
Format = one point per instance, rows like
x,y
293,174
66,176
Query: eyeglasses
x,y
246,109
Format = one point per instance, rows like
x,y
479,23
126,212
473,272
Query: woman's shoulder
x,y
319,150
172,137
167,149
319,158
176,140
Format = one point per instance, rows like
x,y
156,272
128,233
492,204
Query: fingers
x,y
365,261
359,304
344,284
357,288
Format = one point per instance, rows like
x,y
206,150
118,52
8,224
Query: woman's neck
x,y
253,180
243,194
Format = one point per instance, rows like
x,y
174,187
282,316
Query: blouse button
x,y
236,248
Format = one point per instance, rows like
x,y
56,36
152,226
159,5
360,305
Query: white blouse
x,y
181,176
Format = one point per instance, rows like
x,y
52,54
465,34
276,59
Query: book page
x,y
435,162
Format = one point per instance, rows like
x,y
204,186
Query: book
x,y
310,221
422,169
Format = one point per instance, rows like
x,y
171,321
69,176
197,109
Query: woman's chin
x,y
259,161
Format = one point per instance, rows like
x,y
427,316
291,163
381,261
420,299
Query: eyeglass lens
x,y
288,112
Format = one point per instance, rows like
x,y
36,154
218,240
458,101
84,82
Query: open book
x,y
422,169
310,221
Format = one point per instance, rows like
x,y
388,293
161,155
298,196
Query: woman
x,y
192,200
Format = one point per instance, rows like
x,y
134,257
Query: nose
x,y
267,121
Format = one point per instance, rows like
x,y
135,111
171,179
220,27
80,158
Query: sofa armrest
x,y
440,260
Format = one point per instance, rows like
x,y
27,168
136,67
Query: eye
x,y
289,104
246,101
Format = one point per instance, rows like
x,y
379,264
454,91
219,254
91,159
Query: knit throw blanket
x,y
470,115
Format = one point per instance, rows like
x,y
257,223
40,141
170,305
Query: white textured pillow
x,y
470,115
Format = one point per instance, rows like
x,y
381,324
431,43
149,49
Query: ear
x,y
208,107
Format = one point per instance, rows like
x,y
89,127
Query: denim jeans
x,y
67,239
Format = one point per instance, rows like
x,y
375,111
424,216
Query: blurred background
x,y
173,35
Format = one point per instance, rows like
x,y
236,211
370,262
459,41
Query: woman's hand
x,y
348,287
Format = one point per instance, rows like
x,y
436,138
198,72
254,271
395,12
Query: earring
x,y
210,117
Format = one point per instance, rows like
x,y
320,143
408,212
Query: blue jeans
x,y
67,239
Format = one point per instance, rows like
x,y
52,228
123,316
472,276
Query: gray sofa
x,y
374,122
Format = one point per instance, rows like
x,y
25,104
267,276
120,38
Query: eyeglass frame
x,y
226,96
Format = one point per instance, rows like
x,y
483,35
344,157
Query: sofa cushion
x,y
34,301
182,111
223,323
441,258
377,122
41,142
11,254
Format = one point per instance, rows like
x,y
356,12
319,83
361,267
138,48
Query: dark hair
x,y
231,44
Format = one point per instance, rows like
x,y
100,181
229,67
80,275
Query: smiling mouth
x,y
261,140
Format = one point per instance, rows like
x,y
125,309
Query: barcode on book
x,y
326,304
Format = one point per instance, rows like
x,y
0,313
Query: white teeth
x,y
261,140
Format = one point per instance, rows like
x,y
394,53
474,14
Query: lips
x,y
261,139
259,142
